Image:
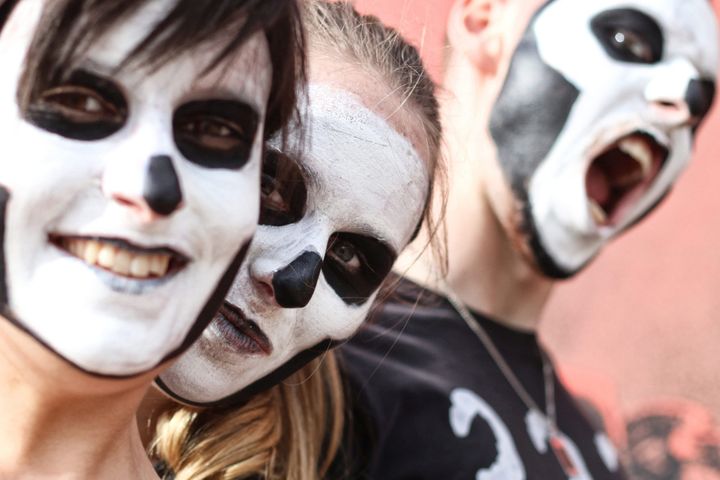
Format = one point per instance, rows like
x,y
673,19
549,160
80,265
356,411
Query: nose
x,y
295,284
161,193
677,97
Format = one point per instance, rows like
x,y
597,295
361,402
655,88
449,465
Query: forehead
x,y
366,175
689,26
246,74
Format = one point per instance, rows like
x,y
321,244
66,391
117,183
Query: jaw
x,y
113,327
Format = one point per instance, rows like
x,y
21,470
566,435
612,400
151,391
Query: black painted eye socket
x,y
85,107
629,35
283,194
216,133
356,265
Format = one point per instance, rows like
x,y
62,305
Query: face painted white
x,y
616,98
362,177
102,321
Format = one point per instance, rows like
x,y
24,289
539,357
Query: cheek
x,y
328,317
226,202
530,112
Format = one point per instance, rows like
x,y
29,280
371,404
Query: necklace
x,y
550,415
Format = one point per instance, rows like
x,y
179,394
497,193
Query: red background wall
x,y
646,314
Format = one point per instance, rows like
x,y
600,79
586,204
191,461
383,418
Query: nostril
x,y
265,289
124,201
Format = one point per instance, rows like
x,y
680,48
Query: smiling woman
x,y
140,127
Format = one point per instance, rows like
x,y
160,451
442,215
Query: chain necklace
x,y
550,414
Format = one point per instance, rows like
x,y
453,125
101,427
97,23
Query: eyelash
x,y
87,111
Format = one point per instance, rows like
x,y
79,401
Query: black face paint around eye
x,y
283,193
356,265
86,107
162,190
216,133
294,285
629,35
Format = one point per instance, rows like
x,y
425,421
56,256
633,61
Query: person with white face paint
x,y
338,205
129,194
565,123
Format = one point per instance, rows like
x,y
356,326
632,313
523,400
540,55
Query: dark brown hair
x,y
69,27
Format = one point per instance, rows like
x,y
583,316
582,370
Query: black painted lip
x,y
245,327
178,261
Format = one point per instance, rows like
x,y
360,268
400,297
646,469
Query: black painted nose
x,y
294,285
161,190
699,97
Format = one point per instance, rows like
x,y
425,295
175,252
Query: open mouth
x,y
618,178
122,258
242,333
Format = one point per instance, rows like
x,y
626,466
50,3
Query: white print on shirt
x,y
540,435
607,452
465,406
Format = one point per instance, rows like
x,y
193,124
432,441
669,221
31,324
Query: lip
x,y
122,265
619,175
242,333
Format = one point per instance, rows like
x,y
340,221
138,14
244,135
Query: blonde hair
x,y
365,41
289,432
293,431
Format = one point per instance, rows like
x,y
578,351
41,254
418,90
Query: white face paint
x,y
596,119
117,237
366,188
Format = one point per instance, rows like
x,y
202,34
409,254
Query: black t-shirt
x,y
428,402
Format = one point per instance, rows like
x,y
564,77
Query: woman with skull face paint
x,y
565,123
331,225
140,127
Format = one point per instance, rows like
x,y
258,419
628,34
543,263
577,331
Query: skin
x,y
491,265
62,422
375,188
137,185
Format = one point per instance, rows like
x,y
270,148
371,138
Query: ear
x,y
474,31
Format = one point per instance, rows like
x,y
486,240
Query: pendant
x,y
561,453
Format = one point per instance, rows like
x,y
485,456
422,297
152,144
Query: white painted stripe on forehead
x,y
351,130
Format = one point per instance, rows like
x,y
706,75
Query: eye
x,y
355,266
212,133
80,104
283,195
85,107
344,253
216,133
632,45
629,35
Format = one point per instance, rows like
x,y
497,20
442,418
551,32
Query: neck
x,y
56,427
485,269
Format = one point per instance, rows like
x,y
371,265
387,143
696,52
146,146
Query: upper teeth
x,y
117,259
640,151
